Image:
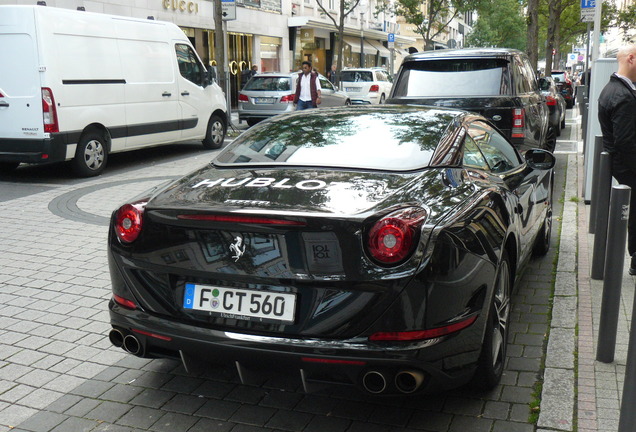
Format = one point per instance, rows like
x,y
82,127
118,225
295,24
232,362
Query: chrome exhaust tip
x,y
374,382
116,337
132,345
407,381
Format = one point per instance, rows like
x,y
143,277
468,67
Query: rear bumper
x,y
37,150
262,114
337,362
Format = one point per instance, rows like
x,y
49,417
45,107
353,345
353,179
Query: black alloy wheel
x,y
495,346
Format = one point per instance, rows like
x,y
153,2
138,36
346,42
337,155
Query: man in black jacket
x,y
617,116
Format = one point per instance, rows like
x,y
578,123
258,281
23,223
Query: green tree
x,y
500,24
625,20
431,21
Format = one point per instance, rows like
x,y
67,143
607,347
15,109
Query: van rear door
x,y
20,88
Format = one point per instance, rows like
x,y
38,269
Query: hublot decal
x,y
262,182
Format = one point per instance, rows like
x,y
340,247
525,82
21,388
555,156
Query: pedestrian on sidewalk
x,y
307,88
617,116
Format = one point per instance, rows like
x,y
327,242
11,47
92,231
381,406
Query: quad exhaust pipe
x,y
406,381
116,338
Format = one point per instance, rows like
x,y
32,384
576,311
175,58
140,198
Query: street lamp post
x,y
363,9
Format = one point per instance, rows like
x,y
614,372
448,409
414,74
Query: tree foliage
x,y
431,21
625,20
499,24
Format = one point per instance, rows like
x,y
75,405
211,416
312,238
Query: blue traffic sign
x,y
391,37
585,4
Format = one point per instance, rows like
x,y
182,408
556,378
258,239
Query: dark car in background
x,y
271,93
497,83
555,102
371,246
565,86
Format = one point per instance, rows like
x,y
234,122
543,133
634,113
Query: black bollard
x,y
598,147
614,260
600,236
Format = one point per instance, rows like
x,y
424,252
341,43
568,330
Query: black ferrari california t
x,y
370,246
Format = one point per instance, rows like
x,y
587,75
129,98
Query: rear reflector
x,y
128,304
152,335
333,361
423,334
241,219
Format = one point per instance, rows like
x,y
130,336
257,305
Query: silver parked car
x,y
271,93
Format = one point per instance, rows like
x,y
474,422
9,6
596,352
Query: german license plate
x,y
264,100
352,89
240,304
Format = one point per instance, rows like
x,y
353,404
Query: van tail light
x,y
550,100
518,122
374,88
393,238
287,98
243,98
129,221
49,112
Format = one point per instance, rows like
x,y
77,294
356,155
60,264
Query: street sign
x,y
391,37
588,8
588,4
228,10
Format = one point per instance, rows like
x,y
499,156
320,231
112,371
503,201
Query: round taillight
x,y
393,238
128,221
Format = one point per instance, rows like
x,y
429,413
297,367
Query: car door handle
x,y
185,93
4,104
166,94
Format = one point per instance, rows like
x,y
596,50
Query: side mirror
x,y
210,76
540,159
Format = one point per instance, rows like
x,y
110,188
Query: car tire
x,y
569,104
382,99
347,102
6,167
541,244
494,349
550,139
251,122
563,123
91,155
215,134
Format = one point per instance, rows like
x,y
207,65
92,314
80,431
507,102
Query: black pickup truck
x,y
497,83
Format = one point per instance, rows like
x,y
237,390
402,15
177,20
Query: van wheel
x,y
216,133
91,155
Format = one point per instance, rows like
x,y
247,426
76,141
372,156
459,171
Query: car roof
x,y
465,52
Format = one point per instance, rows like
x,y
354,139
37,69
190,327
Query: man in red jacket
x,y
307,88
617,116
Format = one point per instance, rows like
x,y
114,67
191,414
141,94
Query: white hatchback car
x,y
366,85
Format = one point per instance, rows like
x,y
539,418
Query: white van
x,y
78,86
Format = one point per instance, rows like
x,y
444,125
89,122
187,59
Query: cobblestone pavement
x,y
58,371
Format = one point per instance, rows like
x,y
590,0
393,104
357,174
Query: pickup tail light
x,y
518,122
393,238
243,98
550,100
49,112
374,88
287,98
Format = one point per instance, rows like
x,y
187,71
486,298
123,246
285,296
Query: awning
x,y
354,43
384,52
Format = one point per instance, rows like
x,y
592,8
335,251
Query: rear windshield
x,y
397,140
558,77
458,77
356,76
269,84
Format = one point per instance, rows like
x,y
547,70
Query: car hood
x,y
307,191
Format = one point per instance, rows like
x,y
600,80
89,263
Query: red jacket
x,y
312,88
